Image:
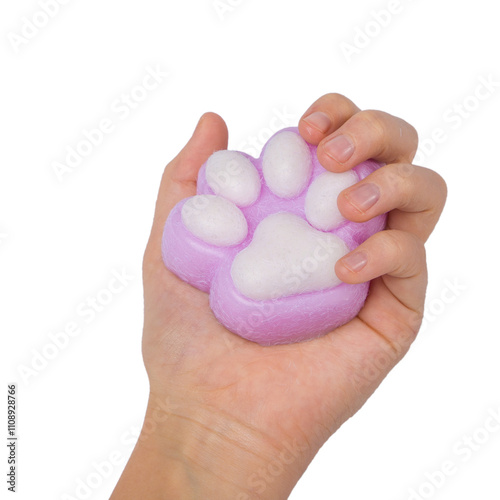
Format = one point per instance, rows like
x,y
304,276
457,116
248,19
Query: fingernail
x,y
318,120
364,196
354,261
339,148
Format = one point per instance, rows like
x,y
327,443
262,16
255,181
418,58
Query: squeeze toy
x,y
262,237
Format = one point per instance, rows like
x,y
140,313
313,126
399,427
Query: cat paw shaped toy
x,y
262,237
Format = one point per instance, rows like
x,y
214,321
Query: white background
x,y
61,240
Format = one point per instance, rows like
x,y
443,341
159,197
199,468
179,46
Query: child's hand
x,y
228,418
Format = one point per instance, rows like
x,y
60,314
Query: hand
x,y
228,418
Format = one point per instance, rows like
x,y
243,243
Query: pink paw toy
x,y
262,237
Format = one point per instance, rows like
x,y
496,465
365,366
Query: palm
x,y
286,390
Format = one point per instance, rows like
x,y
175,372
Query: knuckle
x,y
396,180
414,139
387,129
334,98
394,244
441,189
342,105
442,186
403,184
409,135
413,131
404,172
405,250
373,120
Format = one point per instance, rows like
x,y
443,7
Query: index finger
x,y
347,136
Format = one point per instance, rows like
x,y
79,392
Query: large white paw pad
x,y
287,256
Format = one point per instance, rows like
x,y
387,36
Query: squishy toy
x,y
262,237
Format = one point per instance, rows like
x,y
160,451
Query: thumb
x,y
180,175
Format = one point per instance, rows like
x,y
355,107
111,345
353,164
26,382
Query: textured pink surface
x,y
278,321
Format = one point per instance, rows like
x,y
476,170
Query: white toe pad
x,y
287,164
321,199
214,220
233,176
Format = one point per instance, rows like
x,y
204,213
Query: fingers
x,y
399,256
325,116
416,194
179,178
368,134
367,348
347,136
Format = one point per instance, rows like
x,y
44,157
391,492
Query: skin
x,y
228,418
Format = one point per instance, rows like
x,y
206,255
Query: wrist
x,y
201,453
